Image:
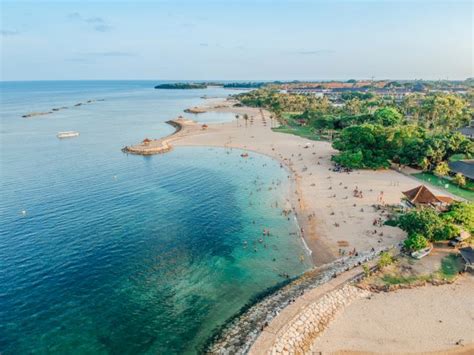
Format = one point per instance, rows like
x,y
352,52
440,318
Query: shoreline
x,y
333,225
313,241
316,252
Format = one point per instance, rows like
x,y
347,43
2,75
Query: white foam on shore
x,y
302,238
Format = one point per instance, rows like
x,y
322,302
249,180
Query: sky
x,y
236,40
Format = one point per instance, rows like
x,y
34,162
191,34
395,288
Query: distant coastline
x,y
205,85
181,86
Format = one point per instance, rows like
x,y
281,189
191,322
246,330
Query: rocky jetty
x,y
56,109
163,145
195,110
33,114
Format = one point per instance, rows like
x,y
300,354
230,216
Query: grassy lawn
x,y
392,279
404,271
457,157
302,131
450,267
293,127
290,115
442,182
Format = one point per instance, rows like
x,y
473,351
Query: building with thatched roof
x,y
422,196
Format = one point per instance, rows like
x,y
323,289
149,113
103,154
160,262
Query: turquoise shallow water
x,y
127,254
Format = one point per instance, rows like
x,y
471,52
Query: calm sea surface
x,y
102,252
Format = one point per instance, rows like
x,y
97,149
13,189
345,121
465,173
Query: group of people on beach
x,y
358,193
353,252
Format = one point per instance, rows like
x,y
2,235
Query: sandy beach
x,y
335,222
431,319
331,218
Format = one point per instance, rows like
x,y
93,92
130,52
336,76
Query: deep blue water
x,y
102,252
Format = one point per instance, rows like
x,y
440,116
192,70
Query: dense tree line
x,y
375,146
419,131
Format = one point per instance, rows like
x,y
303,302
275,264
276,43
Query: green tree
x,y
387,116
442,169
350,159
353,107
446,232
367,140
425,164
461,213
445,111
456,143
425,222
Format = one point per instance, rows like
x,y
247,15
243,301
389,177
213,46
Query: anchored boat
x,y
422,253
67,134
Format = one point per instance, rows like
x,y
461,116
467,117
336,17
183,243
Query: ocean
x,y
106,253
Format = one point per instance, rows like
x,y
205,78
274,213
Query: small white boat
x,y
67,134
422,252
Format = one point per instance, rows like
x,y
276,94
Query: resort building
x,y
465,167
468,256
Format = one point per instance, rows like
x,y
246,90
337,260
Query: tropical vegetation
x,y
428,225
372,131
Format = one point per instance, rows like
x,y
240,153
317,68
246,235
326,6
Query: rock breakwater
x,y
240,332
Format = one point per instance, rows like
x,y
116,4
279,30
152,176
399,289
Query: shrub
x,y
415,242
447,231
460,180
366,269
385,260
391,222
442,169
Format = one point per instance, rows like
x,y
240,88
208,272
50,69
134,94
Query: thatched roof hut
x,y
422,196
